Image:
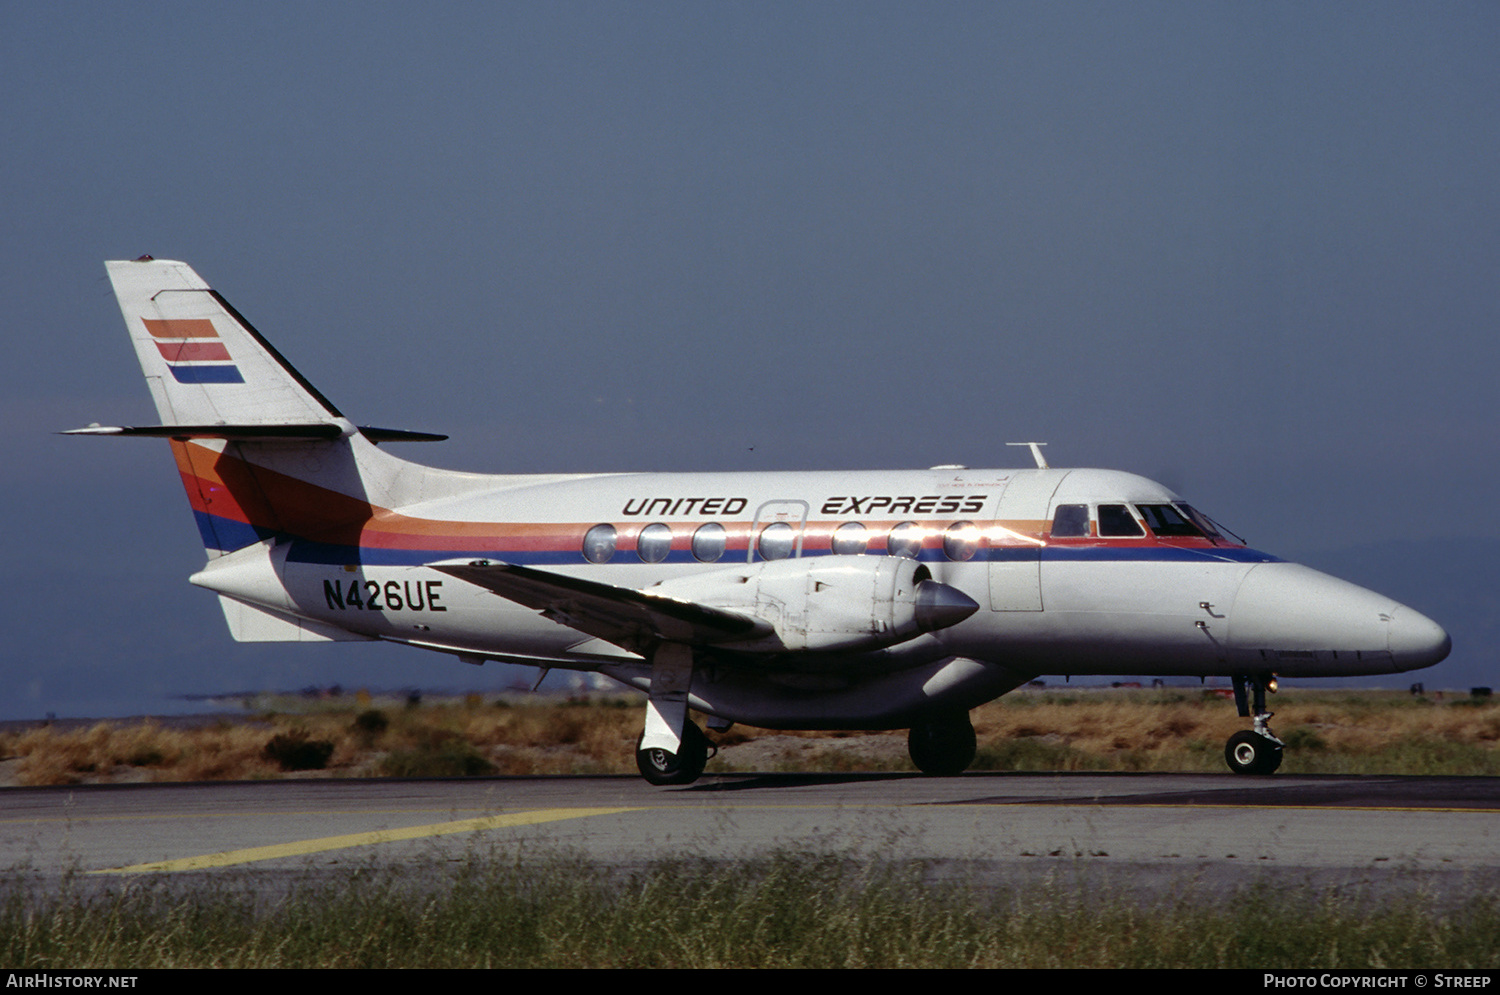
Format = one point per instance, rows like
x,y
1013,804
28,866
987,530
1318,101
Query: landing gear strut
x,y
942,745
1256,751
671,750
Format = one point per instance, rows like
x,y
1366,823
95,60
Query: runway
x,y
1135,831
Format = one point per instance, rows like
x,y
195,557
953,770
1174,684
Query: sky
x,y
1248,250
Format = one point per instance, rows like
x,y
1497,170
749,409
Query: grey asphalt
x,y
1150,832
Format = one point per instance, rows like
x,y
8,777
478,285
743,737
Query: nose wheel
x,y
1252,753
942,745
1256,751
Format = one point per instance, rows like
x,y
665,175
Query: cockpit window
x,y
1166,520
1116,520
1201,520
1070,521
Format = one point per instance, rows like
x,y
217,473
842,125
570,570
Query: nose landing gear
x,y
1257,751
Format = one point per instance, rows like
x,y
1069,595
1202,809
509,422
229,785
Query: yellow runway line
x,y
301,847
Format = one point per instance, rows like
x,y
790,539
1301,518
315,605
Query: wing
x,y
636,620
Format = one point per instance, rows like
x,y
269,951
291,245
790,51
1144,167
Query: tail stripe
x,y
217,373
176,341
180,328
192,352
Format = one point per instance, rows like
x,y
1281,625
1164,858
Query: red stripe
x,y
191,352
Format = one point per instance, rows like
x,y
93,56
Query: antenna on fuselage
x,y
1036,453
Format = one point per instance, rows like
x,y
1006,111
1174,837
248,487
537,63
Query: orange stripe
x,y
222,484
181,328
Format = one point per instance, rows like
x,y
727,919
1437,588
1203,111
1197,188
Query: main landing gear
x,y
671,750
942,745
663,767
1255,751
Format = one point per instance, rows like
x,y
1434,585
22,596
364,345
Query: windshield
x,y
1209,527
1166,520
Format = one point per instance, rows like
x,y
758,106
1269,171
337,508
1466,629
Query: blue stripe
x,y
1232,554
206,374
329,554
226,534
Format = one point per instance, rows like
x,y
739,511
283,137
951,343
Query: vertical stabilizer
x,y
204,363
262,454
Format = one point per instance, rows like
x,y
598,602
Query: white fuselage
x,y
1084,604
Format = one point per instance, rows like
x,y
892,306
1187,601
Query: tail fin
x,y
261,452
204,363
263,456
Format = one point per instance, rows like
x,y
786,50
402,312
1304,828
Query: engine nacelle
x,y
829,604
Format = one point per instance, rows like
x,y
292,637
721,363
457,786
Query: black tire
x,y
1252,753
664,768
943,745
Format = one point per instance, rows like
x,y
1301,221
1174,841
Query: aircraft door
x,y
776,533
1015,548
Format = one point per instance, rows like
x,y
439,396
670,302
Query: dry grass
x,y
452,738
142,751
1055,729
1387,732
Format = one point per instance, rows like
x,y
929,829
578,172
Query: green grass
x,y
1031,754
1427,756
789,910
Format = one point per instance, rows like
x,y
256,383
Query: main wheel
x,y
1252,753
663,767
942,745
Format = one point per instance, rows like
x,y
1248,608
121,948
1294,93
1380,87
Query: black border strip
x,y
268,347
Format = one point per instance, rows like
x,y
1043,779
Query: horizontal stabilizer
x,y
317,431
633,619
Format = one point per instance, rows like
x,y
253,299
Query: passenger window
x,y
850,539
599,543
1070,521
777,541
1116,520
905,540
961,541
709,542
654,543
1166,520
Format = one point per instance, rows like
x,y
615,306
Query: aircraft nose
x,y
1298,622
1416,640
